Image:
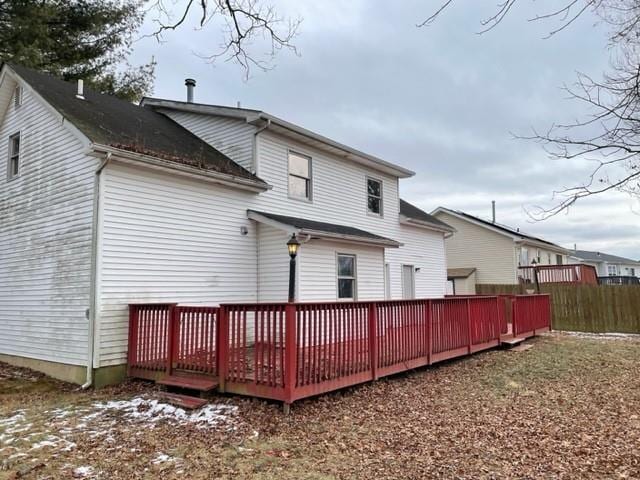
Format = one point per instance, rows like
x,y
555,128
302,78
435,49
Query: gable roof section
x,y
415,215
282,127
515,234
459,272
110,121
597,257
322,229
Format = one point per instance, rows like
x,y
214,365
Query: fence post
x,y
133,338
514,315
290,353
171,323
429,318
373,339
469,340
222,346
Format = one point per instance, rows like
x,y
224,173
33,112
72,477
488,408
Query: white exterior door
x,y
408,282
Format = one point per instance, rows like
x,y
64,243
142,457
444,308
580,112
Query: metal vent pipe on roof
x,y
493,211
191,85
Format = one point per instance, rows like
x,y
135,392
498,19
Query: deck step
x,y
182,401
512,341
202,384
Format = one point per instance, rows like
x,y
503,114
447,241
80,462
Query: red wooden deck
x,y
291,351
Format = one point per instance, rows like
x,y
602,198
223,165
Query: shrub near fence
x,y
587,308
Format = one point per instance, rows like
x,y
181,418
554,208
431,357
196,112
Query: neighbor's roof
x,y
514,232
332,230
414,213
459,272
108,120
260,118
590,256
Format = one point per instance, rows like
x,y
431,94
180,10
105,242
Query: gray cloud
x,y
439,100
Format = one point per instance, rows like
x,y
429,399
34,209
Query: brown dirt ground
x,y
567,408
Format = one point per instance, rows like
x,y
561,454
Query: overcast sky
x,y
441,101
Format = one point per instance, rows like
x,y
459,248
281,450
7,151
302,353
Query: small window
x,y
14,156
374,196
299,176
17,96
559,260
346,277
612,270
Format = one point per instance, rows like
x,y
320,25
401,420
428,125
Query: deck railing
x,y
619,280
289,351
573,273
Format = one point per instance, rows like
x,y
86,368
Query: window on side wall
x,y
612,270
374,196
346,276
559,260
299,176
13,168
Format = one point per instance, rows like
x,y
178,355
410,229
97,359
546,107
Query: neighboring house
x,y
495,251
607,265
104,203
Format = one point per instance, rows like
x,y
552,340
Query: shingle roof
x,y
459,272
108,120
411,211
307,226
590,256
504,228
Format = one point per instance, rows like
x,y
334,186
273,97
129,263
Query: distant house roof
x,y
110,121
597,257
323,229
282,127
459,272
414,213
513,232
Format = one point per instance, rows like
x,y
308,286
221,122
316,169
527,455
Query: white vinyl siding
x,y
273,264
166,238
472,246
45,238
231,136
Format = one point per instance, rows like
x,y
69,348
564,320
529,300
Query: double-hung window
x,y
299,176
612,270
13,168
374,196
346,277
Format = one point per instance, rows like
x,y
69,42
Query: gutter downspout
x,y
93,300
255,145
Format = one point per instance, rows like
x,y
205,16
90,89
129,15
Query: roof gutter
x,y
351,238
404,220
555,248
157,163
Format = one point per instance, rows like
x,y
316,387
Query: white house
x,y
607,265
492,251
105,203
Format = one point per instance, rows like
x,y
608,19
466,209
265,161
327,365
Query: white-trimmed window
x,y
612,270
347,278
299,176
559,260
17,96
13,167
374,196
524,257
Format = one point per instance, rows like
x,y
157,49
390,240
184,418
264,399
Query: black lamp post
x,y
293,245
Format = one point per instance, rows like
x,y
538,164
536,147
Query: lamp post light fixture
x,y
292,245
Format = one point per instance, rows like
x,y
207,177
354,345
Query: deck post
x,y
373,339
132,352
429,317
290,353
222,347
171,338
470,341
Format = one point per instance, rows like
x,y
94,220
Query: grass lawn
x,y
569,407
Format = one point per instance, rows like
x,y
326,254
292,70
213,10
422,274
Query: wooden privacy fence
x,y
289,351
572,273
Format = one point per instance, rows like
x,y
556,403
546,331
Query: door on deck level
x,y
408,282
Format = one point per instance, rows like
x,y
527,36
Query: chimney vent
x,y
80,91
191,85
493,211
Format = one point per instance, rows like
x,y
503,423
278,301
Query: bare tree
x,y
610,135
246,21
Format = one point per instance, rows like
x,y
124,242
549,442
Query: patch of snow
x,y
162,458
82,472
18,417
604,336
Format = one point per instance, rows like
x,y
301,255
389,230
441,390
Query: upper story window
x,y
299,176
14,156
17,96
374,196
346,277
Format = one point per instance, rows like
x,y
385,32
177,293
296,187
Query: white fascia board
x,y
412,222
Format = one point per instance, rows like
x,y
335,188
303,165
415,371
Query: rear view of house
x,y
104,203
491,252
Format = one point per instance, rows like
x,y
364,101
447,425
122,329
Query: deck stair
x,y
183,401
512,341
190,382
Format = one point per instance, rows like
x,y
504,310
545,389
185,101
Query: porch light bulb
x,y
293,245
